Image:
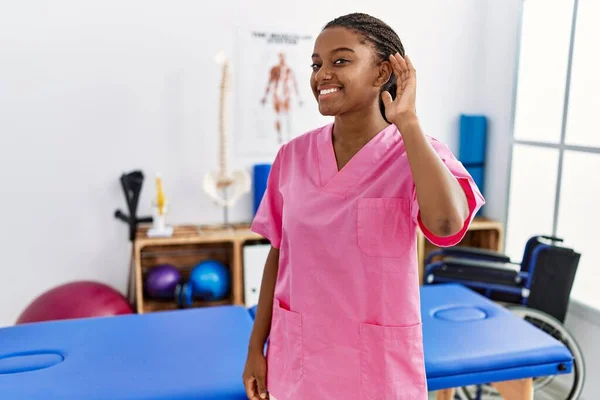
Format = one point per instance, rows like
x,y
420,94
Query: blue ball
x,y
210,280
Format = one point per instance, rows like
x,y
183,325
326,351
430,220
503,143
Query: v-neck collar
x,y
341,181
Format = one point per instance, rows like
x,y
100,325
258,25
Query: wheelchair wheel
x,y
556,387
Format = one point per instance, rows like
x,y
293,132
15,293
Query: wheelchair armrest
x,y
524,275
469,252
491,267
465,269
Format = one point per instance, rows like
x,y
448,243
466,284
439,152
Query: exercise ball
x,y
162,280
210,280
72,300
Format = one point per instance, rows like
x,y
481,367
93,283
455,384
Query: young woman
x,y
339,300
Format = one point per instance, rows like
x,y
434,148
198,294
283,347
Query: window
x,y
555,165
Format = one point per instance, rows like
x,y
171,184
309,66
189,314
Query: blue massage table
x,y
179,355
200,353
470,340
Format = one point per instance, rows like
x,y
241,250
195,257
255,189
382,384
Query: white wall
x,y
90,90
496,87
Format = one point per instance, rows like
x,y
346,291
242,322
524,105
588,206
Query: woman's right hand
x,y
255,371
255,375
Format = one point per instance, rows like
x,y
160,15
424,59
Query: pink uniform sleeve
x,y
267,222
474,198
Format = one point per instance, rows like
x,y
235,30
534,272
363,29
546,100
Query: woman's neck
x,y
352,131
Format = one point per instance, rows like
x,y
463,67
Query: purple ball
x,y
162,280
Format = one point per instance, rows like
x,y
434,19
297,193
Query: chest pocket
x,y
383,227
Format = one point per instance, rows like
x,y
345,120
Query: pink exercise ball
x,y
76,300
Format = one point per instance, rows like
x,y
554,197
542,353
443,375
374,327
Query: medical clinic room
x,y
285,200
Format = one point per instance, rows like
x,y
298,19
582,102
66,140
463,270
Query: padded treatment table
x,y
186,354
200,353
469,340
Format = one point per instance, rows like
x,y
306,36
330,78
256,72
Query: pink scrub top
x,y
346,318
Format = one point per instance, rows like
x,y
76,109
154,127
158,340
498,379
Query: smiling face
x,y
346,75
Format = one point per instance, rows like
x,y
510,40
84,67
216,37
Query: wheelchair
x,y
537,289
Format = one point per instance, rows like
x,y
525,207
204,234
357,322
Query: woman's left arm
x,y
442,201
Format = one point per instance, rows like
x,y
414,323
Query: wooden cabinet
x,y
189,246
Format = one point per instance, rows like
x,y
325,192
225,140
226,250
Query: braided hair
x,y
380,36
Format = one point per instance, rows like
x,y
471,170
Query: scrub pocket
x,y
285,346
383,227
392,362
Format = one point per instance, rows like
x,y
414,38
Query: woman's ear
x,y
384,73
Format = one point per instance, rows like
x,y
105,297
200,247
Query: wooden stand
x,y
188,246
483,233
521,389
